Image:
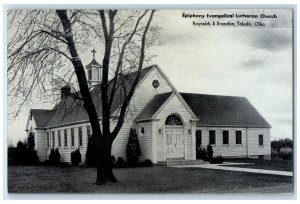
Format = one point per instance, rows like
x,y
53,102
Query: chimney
x,y
65,91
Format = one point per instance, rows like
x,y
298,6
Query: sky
x,y
249,61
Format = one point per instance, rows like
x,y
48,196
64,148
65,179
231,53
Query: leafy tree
x,y
133,149
45,45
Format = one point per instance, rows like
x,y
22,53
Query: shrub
x,y
91,152
76,157
286,153
133,149
217,160
201,153
210,151
146,163
282,149
22,154
121,163
113,161
54,157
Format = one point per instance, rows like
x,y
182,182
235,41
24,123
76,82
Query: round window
x,y
155,83
142,130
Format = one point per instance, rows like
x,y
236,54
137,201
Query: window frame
x,y
225,136
261,140
198,141
238,137
48,139
214,137
72,137
53,138
80,136
59,138
65,137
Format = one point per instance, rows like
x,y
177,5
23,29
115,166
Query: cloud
x,y
272,39
253,63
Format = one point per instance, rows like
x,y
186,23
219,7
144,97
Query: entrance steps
x,y
181,162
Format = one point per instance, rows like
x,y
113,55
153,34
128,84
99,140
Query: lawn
x,y
281,165
51,179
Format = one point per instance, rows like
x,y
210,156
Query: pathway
x,y
228,168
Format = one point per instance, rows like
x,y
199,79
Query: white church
x,y
170,124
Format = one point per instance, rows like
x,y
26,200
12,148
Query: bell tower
x,y
94,71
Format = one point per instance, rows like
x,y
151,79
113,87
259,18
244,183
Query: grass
x,y
51,179
281,165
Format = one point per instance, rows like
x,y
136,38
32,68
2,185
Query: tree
x,y
133,149
42,44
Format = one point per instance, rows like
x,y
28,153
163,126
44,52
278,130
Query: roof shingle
x,y
152,107
214,110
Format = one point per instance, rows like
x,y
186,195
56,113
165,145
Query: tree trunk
x,y
104,165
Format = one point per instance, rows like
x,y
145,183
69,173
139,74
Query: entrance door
x,y
174,137
174,142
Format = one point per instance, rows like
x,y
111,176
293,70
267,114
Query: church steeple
x,y
94,71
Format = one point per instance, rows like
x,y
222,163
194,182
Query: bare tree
x,y
43,54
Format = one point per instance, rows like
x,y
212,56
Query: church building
x,y
170,124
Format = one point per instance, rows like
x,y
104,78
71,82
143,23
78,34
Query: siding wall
x,y
174,105
65,151
237,150
254,148
40,141
143,94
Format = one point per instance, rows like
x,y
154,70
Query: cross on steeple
x,y
93,51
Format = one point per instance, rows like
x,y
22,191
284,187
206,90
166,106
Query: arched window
x,y
97,75
90,74
173,119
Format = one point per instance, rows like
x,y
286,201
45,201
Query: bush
x,y
217,160
22,154
76,157
91,152
201,153
210,151
282,149
121,163
146,163
133,149
113,161
54,157
286,153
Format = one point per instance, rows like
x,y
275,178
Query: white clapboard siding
x,y
254,148
40,141
233,149
145,92
145,140
174,105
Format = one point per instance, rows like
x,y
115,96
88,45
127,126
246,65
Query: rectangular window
x,y
48,140
238,137
80,136
53,139
72,137
261,140
198,138
66,137
59,139
212,137
225,137
88,131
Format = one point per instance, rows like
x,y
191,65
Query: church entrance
x,y
174,137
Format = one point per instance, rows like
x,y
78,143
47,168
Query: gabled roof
x,y
70,110
214,110
41,117
152,107
94,63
